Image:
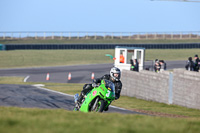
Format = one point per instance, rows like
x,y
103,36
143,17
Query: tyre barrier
x,y
99,46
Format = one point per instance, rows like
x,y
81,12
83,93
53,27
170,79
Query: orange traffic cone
x,y
92,76
69,76
47,77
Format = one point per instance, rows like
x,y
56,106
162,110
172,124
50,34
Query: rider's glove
x,y
94,85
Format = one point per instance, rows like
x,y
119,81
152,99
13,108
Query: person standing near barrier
x,y
190,64
136,65
163,65
132,65
157,66
121,58
196,63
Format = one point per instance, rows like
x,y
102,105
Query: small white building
x,y
126,54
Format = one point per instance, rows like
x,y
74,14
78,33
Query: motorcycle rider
x,y
114,77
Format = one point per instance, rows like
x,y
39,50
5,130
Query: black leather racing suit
x,y
196,64
118,86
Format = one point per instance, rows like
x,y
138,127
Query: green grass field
x,y
18,120
34,58
169,118
37,58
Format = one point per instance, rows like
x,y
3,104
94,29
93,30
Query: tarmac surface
x,y
28,96
37,97
79,73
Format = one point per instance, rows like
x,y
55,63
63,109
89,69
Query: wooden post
x,y
35,35
181,37
155,36
146,36
87,35
44,36
112,36
12,35
61,35
69,35
78,35
199,35
52,36
190,35
95,36
172,36
4,36
138,36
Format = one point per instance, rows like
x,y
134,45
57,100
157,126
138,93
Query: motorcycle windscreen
x,y
110,85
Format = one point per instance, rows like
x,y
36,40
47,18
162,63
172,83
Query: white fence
x,y
97,35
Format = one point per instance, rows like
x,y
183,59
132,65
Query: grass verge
x,y
20,120
37,58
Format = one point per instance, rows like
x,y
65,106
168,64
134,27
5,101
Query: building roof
x,y
130,48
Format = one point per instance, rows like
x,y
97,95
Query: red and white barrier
x,y
48,76
92,76
69,76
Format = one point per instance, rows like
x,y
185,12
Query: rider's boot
x,y
80,98
106,109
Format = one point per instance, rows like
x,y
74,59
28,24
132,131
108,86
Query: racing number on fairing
x,y
108,93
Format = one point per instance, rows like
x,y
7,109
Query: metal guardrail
x,y
44,35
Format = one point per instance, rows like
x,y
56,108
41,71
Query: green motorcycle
x,y
98,99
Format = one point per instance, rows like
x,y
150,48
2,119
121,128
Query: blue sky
x,y
99,15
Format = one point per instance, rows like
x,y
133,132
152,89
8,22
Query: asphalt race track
x,y
37,97
79,73
28,96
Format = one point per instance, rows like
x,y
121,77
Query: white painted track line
x,y
25,79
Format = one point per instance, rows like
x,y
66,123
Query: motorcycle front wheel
x,y
101,104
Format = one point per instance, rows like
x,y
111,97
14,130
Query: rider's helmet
x,y
115,73
190,58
